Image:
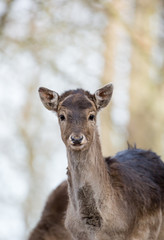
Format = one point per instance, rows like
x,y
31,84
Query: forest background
x,y
65,44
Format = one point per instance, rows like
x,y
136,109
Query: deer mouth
x,y
77,147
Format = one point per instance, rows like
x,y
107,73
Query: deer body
x,y
51,225
119,198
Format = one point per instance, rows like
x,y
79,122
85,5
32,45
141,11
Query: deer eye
x,y
91,117
62,117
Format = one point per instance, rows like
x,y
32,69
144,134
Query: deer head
x,y
77,111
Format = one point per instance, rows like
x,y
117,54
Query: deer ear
x,y
103,95
49,98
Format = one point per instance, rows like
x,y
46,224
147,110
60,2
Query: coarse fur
x,y
116,198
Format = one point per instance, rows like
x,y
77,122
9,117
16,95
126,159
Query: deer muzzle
x,y
77,141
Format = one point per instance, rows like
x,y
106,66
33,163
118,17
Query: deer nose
x,y
76,139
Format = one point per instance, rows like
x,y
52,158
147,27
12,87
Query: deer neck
x,y
87,168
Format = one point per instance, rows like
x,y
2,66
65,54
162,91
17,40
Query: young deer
x,y
116,198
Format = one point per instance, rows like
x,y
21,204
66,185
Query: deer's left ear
x,y
49,98
103,95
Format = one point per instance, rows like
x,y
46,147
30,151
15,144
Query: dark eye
x,y
91,117
62,117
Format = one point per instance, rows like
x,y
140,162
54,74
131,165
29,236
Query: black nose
x,y
76,139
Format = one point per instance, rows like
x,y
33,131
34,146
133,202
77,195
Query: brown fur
x,y
119,198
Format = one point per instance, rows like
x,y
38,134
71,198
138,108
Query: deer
x,y
119,197
51,225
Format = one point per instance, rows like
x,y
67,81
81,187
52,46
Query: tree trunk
x,y
146,109
117,52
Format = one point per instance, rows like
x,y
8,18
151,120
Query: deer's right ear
x,y
103,95
49,98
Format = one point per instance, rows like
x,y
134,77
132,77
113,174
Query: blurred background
x,y
64,44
